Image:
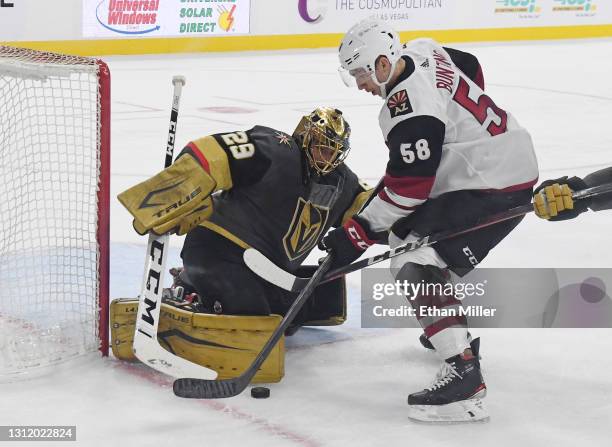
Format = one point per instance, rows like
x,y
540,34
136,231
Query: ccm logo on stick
x,y
6,4
468,252
153,282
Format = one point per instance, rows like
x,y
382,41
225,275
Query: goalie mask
x,y
324,137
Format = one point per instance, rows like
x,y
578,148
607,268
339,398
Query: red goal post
x,y
54,228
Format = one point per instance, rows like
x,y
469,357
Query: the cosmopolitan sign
x,y
163,18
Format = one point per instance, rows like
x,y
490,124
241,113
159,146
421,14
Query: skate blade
x,y
471,410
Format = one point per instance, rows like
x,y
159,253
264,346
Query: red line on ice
x,y
236,413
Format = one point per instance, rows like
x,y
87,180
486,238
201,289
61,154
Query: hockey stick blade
x,y
269,271
210,389
215,389
272,273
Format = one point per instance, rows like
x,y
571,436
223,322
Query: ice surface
x,y
347,385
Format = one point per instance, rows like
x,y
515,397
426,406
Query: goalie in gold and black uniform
x,y
257,188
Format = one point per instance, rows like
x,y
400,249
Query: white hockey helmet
x,y
362,45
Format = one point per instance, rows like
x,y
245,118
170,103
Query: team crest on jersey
x,y
283,138
399,104
306,226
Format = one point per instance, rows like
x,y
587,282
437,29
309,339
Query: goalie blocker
x,y
227,343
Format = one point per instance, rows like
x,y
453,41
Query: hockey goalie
x,y
259,188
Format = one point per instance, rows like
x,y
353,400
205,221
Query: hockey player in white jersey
x,y
454,156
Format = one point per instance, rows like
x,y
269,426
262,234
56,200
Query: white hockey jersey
x,y
445,134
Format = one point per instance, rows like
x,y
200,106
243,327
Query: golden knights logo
x,y
306,226
399,104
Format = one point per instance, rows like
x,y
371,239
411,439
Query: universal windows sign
x,y
161,18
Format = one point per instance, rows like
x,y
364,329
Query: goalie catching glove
x,y
175,200
552,200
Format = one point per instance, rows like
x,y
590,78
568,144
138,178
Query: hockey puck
x,y
260,392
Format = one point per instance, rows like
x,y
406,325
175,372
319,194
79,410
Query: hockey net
x,y
54,217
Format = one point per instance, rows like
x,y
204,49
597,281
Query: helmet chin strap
x,y
382,85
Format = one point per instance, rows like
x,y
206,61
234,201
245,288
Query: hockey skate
x,y
455,396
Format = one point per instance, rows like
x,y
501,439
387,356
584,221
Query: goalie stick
x,y
146,347
215,389
269,271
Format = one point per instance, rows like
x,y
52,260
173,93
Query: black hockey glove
x,y
552,200
348,242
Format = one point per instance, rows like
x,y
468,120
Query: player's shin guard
x,y
450,341
474,344
455,395
436,308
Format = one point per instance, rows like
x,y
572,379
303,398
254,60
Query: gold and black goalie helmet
x,y
324,136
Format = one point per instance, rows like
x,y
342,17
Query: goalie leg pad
x,y
226,343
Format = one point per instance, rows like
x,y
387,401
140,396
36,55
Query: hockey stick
x,y
214,389
269,271
146,347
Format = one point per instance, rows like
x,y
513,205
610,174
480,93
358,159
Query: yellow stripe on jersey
x,y
360,199
216,161
226,234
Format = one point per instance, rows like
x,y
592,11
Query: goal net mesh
x,y
50,146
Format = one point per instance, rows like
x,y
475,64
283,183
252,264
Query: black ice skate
x,y
455,396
